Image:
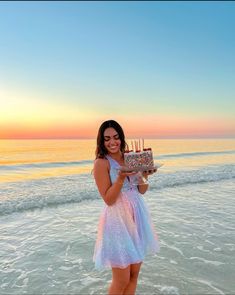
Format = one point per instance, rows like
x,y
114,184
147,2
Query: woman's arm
x,y
143,187
107,190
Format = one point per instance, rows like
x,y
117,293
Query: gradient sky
x,y
161,69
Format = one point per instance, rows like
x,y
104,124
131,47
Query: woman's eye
x,y
115,137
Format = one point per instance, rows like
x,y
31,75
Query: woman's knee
x,y
134,276
121,277
121,283
134,272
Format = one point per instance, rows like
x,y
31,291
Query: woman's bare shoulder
x,y
100,163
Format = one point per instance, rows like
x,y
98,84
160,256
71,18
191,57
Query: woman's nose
x,y
112,140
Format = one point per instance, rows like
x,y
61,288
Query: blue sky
x,y
131,58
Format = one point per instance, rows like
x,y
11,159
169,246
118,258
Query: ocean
x,y
49,211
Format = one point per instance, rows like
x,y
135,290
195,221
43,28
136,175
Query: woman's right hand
x,y
123,174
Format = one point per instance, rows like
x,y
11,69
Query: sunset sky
x,y
161,69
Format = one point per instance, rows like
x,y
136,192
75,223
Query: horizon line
x,y
94,138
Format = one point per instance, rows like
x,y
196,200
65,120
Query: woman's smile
x,y
112,141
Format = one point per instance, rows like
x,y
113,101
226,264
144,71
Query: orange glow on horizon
x,y
46,132
133,127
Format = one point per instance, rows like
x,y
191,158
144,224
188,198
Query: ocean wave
x,y
197,176
195,154
45,165
22,166
41,193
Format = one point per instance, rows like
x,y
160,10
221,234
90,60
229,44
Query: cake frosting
x,y
139,160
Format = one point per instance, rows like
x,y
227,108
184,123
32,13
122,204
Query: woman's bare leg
x,y
134,272
120,280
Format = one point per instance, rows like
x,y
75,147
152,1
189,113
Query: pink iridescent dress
x,y
125,231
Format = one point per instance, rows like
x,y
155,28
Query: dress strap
x,y
112,162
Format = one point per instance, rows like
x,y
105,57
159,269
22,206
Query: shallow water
x,y
48,226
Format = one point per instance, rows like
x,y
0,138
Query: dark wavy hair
x,y
101,151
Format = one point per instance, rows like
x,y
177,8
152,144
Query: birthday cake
x,y
138,159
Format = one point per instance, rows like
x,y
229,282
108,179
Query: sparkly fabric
x,y
125,231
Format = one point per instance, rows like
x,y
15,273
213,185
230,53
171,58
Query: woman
x,y
125,231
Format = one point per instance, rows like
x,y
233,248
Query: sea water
x,y
49,211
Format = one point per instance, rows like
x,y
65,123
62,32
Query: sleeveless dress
x,y
125,231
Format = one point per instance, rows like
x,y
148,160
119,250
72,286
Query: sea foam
x,y
53,191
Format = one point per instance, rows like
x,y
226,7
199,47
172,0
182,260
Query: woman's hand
x,y
149,172
123,174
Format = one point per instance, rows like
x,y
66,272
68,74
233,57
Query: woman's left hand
x,y
149,172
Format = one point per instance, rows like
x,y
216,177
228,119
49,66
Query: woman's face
x,y
112,141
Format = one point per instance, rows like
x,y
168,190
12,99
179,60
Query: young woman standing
x,y
125,230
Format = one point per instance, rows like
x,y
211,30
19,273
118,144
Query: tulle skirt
x,y
125,233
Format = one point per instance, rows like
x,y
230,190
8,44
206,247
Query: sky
x,y
161,69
